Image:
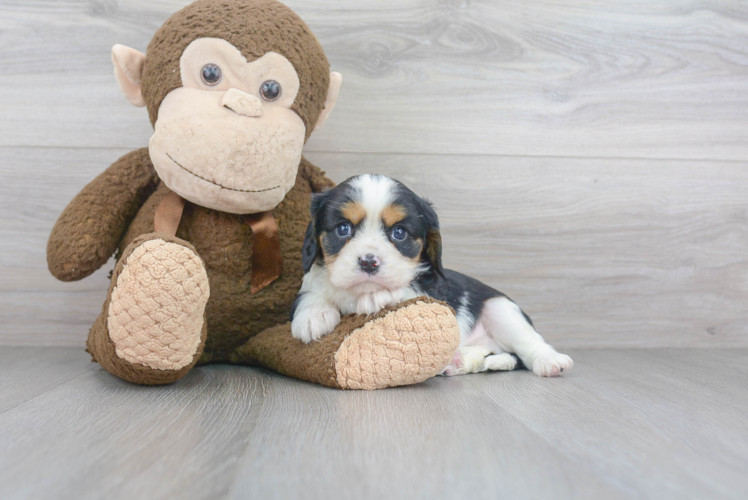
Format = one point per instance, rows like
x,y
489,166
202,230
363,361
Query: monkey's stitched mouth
x,y
216,184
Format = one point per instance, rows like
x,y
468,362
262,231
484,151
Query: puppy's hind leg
x,y
467,359
500,362
477,359
508,326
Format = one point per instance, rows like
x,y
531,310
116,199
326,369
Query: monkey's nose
x,y
242,103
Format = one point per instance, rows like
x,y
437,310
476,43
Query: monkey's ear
x,y
332,95
128,68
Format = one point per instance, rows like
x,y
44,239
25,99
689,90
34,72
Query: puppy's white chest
x,y
374,302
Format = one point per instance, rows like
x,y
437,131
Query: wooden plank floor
x,y
594,78
588,158
600,253
659,423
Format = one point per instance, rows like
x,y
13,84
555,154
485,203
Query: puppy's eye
x,y
270,90
211,74
399,233
343,230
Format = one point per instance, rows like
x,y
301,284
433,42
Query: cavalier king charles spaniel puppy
x,y
372,243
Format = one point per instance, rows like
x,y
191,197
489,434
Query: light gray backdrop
x,y
588,158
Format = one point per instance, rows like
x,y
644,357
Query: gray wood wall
x,y
588,158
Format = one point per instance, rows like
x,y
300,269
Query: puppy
x,y
372,243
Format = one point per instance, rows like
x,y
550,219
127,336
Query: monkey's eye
x,y
270,90
343,230
211,74
399,233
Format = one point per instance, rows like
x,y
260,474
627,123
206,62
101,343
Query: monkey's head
x,y
234,89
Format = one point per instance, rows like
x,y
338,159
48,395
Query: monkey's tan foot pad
x,y
157,306
401,345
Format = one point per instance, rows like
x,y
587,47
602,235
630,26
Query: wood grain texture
x,y
587,158
599,252
631,424
20,383
421,442
37,183
596,78
646,253
626,411
96,436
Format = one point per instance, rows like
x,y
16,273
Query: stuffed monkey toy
x,y
207,223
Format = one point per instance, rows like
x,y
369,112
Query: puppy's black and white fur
x,y
373,243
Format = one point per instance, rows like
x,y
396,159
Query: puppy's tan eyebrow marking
x,y
353,211
328,259
434,241
392,214
417,257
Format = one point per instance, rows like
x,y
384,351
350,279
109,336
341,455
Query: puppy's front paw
x,y
312,323
551,364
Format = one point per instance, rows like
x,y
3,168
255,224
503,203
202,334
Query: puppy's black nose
x,y
369,263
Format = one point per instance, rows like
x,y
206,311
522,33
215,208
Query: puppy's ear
x,y
432,248
310,251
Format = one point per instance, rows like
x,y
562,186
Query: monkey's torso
x,y
224,243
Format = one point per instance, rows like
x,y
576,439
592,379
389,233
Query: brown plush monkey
x,y
208,222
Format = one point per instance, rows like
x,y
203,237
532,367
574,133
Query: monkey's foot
x,y
401,345
152,328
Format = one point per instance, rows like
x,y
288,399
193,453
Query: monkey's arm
x,y
316,176
90,228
